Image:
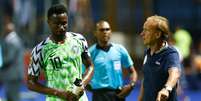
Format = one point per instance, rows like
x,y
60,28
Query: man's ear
x,y
158,34
95,33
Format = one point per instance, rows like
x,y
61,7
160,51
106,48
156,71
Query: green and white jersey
x,y
61,63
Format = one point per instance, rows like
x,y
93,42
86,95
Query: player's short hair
x,y
56,9
162,24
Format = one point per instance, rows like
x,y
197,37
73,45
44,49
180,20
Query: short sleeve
x,y
172,61
125,58
85,52
36,62
85,45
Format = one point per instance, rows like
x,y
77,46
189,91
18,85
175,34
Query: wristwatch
x,y
132,84
168,88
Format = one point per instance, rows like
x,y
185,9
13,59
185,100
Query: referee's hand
x,y
125,91
162,95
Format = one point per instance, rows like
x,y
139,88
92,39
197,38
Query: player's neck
x,y
58,39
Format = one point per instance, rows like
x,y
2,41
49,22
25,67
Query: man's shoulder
x,y
38,47
118,46
75,35
170,49
92,48
165,53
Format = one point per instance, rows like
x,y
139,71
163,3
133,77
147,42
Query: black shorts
x,y
106,94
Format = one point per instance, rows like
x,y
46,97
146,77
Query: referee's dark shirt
x,y
155,70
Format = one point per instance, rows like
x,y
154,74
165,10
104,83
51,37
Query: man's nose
x,y
142,34
62,27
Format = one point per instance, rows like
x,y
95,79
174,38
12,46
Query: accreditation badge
x,y
117,65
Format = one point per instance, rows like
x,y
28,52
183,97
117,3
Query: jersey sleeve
x,y
84,45
36,62
172,61
125,59
85,52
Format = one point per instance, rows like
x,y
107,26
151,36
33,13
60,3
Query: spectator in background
x,y
81,20
11,71
60,56
183,41
197,60
161,66
182,84
108,59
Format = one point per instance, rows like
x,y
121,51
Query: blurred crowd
x,y
29,21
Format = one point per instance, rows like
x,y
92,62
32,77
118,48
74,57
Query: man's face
x,y
149,34
58,24
103,32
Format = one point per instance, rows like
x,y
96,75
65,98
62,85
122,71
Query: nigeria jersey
x,y
61,63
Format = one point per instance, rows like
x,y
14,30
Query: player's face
x,y
58,24
149,33
103,32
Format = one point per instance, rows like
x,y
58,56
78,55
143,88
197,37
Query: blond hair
x,y
162,24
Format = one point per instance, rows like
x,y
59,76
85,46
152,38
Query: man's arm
x,y
174,74
141,94
89,69
129,87
133,75
34,85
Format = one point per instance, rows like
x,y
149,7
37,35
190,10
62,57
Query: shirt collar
x,y
106,49
162,48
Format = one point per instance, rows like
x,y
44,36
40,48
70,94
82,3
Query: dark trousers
x,y
106,95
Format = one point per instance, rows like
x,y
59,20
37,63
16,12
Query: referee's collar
x,y
106,49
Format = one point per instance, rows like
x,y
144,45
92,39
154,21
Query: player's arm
x,y
89,68
86,59
34,85
141,94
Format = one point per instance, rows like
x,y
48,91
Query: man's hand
x,y
162,95
79,91
125,91
69,96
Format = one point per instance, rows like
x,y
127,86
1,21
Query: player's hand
x,y
79,91
69,96
162,95
125,91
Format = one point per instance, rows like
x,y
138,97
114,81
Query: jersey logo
x,y
75,49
